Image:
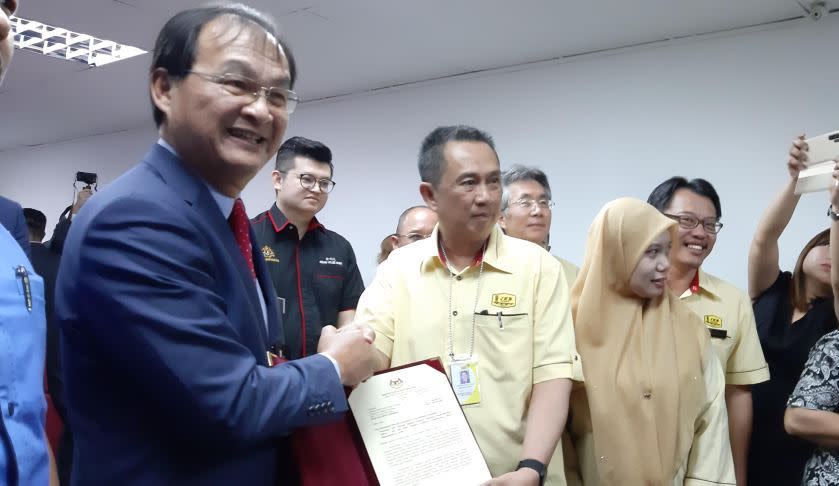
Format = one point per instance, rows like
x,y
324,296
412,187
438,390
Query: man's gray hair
x,y
519,173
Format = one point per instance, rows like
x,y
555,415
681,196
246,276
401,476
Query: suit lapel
x,y
210,211
197,195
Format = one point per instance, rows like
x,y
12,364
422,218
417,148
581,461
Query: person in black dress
x,y
812,408
793,311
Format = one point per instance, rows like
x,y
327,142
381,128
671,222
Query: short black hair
x,y
176,45
36,221
302,147
432,162
662,195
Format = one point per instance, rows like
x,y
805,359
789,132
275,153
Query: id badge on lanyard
x,y
465,379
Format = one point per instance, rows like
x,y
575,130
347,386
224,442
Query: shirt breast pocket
x,y
723,341
328,287
329,281
503,330
510,319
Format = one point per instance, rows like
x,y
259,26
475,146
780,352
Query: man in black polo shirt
x,y
314,269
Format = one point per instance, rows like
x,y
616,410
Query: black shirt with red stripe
x,y
315,277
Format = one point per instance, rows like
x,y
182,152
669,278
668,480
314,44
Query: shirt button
x,y
454,313
459,277
647,395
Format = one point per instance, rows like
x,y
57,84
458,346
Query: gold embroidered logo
x,y
503,300
268,254
713,321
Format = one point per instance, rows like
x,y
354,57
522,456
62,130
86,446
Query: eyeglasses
x,y
243,86
413,237
689,221
308,181
528,204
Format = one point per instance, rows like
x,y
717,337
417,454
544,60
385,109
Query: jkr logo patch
x,y
503,300
713,321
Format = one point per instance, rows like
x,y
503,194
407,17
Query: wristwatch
x,y
833,214
536,466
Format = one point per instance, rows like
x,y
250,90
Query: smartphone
x,y
823,148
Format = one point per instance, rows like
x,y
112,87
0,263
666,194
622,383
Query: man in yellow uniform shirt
x,y
527,213
527,210
484,302
725,310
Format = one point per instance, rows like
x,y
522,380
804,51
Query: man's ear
x,y
502,222
277,177
161,90
427,192
394,242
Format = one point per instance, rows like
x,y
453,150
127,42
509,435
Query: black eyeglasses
x,y
308,181
243,86
689,221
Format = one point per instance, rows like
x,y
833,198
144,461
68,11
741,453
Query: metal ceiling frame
x,y
30,35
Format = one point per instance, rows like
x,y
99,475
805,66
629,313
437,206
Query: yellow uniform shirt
x,y
409,305
565,455
570,270
708,461
727,313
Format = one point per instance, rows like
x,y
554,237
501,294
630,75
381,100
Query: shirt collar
x,y
279,220
493,256
225,203
702,283
165,144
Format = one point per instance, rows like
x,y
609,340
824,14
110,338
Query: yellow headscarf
x,y
642,359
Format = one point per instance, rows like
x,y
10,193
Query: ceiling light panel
x,y
60,43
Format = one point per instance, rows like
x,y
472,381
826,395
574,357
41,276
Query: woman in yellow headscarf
x,y
652,409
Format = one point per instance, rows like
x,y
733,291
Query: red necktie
x,y
239,224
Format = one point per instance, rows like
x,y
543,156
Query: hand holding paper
x,y
522,477
414,429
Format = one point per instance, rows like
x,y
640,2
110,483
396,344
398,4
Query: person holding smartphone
x,y
793,311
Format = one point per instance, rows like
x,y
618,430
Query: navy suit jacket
x,y
164,342
11,217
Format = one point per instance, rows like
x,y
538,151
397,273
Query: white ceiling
x,y
342,47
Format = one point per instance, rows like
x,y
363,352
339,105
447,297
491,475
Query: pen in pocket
x,y
23,274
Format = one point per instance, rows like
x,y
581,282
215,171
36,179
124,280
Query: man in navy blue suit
x,y
167,312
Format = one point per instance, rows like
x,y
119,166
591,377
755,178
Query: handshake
x,y
352,347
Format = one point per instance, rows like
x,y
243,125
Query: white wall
x,y
722,108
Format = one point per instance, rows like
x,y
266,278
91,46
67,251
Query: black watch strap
x,y
536,466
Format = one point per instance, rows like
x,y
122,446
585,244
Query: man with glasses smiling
x,y
725,309
166,310
527,210
313,269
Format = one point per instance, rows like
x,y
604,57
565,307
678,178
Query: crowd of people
x,y
178,341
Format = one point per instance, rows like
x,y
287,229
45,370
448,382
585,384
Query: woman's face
x,y
816,265
649,279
